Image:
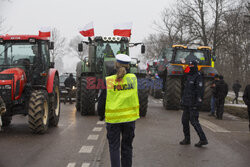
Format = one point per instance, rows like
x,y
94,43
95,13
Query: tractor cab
x,y
26,54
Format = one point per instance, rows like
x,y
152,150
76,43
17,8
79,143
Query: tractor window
x,y
45,53
110,49
18,53
185,56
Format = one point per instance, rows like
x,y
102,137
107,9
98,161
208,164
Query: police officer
x,y
69,83
191,101
246,98
120,104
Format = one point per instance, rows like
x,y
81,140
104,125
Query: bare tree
x,y
59,48
73,47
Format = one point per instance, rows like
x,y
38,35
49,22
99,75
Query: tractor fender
x,y
50,80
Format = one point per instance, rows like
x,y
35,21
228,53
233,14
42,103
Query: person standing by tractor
x,y
221,90
246,99
191,101
119,105
236,89
69,83
212,112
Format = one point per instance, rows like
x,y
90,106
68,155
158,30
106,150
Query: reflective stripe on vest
x,y
122,103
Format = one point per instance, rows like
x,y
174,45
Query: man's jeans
x,y
212,105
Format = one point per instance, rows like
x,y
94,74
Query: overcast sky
x,y
27,16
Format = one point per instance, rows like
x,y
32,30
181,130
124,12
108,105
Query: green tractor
x,y
91,72
173,77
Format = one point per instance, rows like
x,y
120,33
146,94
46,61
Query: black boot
x,y
201,143
185,142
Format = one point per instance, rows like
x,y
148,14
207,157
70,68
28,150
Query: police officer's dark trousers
x,y
114,131
192,115
220,107
248,108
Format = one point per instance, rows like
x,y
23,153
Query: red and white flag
x,y
88,30
123,29
45,32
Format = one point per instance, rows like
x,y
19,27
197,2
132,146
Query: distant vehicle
x,y
63,89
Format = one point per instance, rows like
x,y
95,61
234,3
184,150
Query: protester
x,y
236,89
221,90
246,98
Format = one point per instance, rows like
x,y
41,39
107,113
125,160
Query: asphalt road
x,y
81,142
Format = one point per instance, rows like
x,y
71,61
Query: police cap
x,y
123,59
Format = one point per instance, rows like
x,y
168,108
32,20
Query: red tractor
x,y
29,84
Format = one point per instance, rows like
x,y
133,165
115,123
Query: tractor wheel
x,y
88,98
172,95
55,105
38,112
207,95
78,95
143,96
6,121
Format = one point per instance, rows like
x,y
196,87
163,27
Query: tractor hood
x,y
13,79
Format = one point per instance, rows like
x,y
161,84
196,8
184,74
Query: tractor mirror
x,y
80,47
51,45
52,65
143,49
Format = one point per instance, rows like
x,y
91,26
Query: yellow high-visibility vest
x,y
122,102
212,62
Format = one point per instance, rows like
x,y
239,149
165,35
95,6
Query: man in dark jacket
x,y
212,104
236,89
191,101
69,83
221,90
246,98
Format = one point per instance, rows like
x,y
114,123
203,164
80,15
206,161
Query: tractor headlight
x,y
109,39
74,88
136,65
7,87
87,63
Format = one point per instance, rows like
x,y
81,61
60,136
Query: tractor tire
x,y
6,121
206,103
143,92
38,112
55,104
88,98
172,94
78,95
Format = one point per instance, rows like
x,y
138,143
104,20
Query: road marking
x,y
72,164
100,123
212,126
93,137
97,129
85,164
156,101
67,128
86,149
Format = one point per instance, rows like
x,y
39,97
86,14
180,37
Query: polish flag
x,y
123,29
45,32
88,30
